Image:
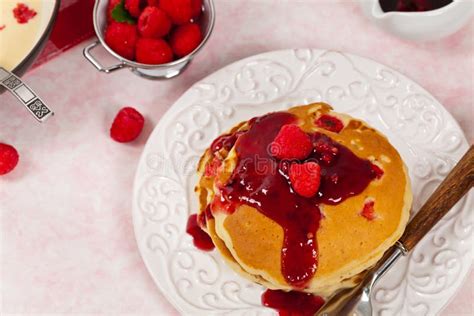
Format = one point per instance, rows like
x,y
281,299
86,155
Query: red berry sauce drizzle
x,y
200,238
413,5
2,27
261,181
292,303
225,141
196,222
23,13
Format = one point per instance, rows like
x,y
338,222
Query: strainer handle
x,y
88,55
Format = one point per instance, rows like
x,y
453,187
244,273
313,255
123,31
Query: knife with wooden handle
x,y
458,182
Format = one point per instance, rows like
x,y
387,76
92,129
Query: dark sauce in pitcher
x,y
412,5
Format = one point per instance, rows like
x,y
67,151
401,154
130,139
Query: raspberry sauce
x,y
330,123
200,239
261,181
23,13
292,303
225,141
413,5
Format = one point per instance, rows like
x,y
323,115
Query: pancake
x,y
346,240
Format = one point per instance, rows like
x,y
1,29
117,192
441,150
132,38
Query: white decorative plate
x,y
427,137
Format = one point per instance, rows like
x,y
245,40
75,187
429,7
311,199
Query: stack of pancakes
x,y
348,243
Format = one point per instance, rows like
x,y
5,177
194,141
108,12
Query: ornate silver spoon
x,y
25,95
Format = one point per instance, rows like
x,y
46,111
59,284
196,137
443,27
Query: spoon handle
x,y
25,95
449,192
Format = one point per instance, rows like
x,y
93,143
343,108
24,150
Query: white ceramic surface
x,y
427,137
421,26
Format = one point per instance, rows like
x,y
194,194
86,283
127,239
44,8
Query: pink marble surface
x,y
67,243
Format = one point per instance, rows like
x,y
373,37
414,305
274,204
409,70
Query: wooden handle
x,y
450,191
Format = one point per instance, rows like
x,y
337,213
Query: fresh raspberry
x,y
122,37
196,8
153,23
8,158
291,142
180,11
127,125
368,211
134,7
154,3
111,6
330,123
2,27
376,171
185,39
305,178
212,166
324,148
153,51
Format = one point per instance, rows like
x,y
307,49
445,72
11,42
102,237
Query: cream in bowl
x,y
22,25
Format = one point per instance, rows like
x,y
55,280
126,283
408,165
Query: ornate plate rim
x,y
180,105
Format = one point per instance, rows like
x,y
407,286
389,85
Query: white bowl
x,y
421,26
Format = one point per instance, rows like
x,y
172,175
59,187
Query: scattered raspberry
x,y
111,6
8,158
368,211
134,7
2,27
377,171
153,3
331,123
196,8
127,125
305,178
180,11
153,51
153,23
23,13
122,37
291,142
212,166
185,39
324,148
